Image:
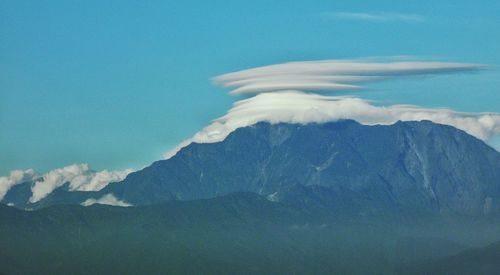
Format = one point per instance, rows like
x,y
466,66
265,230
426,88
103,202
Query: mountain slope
x,y
409,164
480,261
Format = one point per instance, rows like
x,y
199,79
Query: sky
x,y
116,84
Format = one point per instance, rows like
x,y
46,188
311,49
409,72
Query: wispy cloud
x,y
375,17
108,199
330,75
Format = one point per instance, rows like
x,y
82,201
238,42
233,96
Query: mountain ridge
x,y
411,164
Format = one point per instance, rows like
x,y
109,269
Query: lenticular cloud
x,y
291,93
329,75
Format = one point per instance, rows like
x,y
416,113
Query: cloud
x,y
282,93
300,107
80,178
96,181
15,177
379,17
108,199
329,75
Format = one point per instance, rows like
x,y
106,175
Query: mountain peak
x,y
411,164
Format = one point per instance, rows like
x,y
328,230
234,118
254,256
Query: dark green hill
x,y
477,261
241,233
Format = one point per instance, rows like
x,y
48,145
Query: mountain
x,y
421,166
331,198
418,165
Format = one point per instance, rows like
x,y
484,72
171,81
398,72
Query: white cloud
x,y
375,17
15,177
281,94
56,178
80,178
329,75
108,199
96,181
300,107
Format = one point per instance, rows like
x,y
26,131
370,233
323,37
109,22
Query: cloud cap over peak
x,y
303,108
285,93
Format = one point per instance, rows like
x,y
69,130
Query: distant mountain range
x,y
352,167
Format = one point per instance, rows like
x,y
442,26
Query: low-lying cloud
x,y
80,178
15,177
108,199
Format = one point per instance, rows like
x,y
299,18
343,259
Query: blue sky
x,y
117,83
